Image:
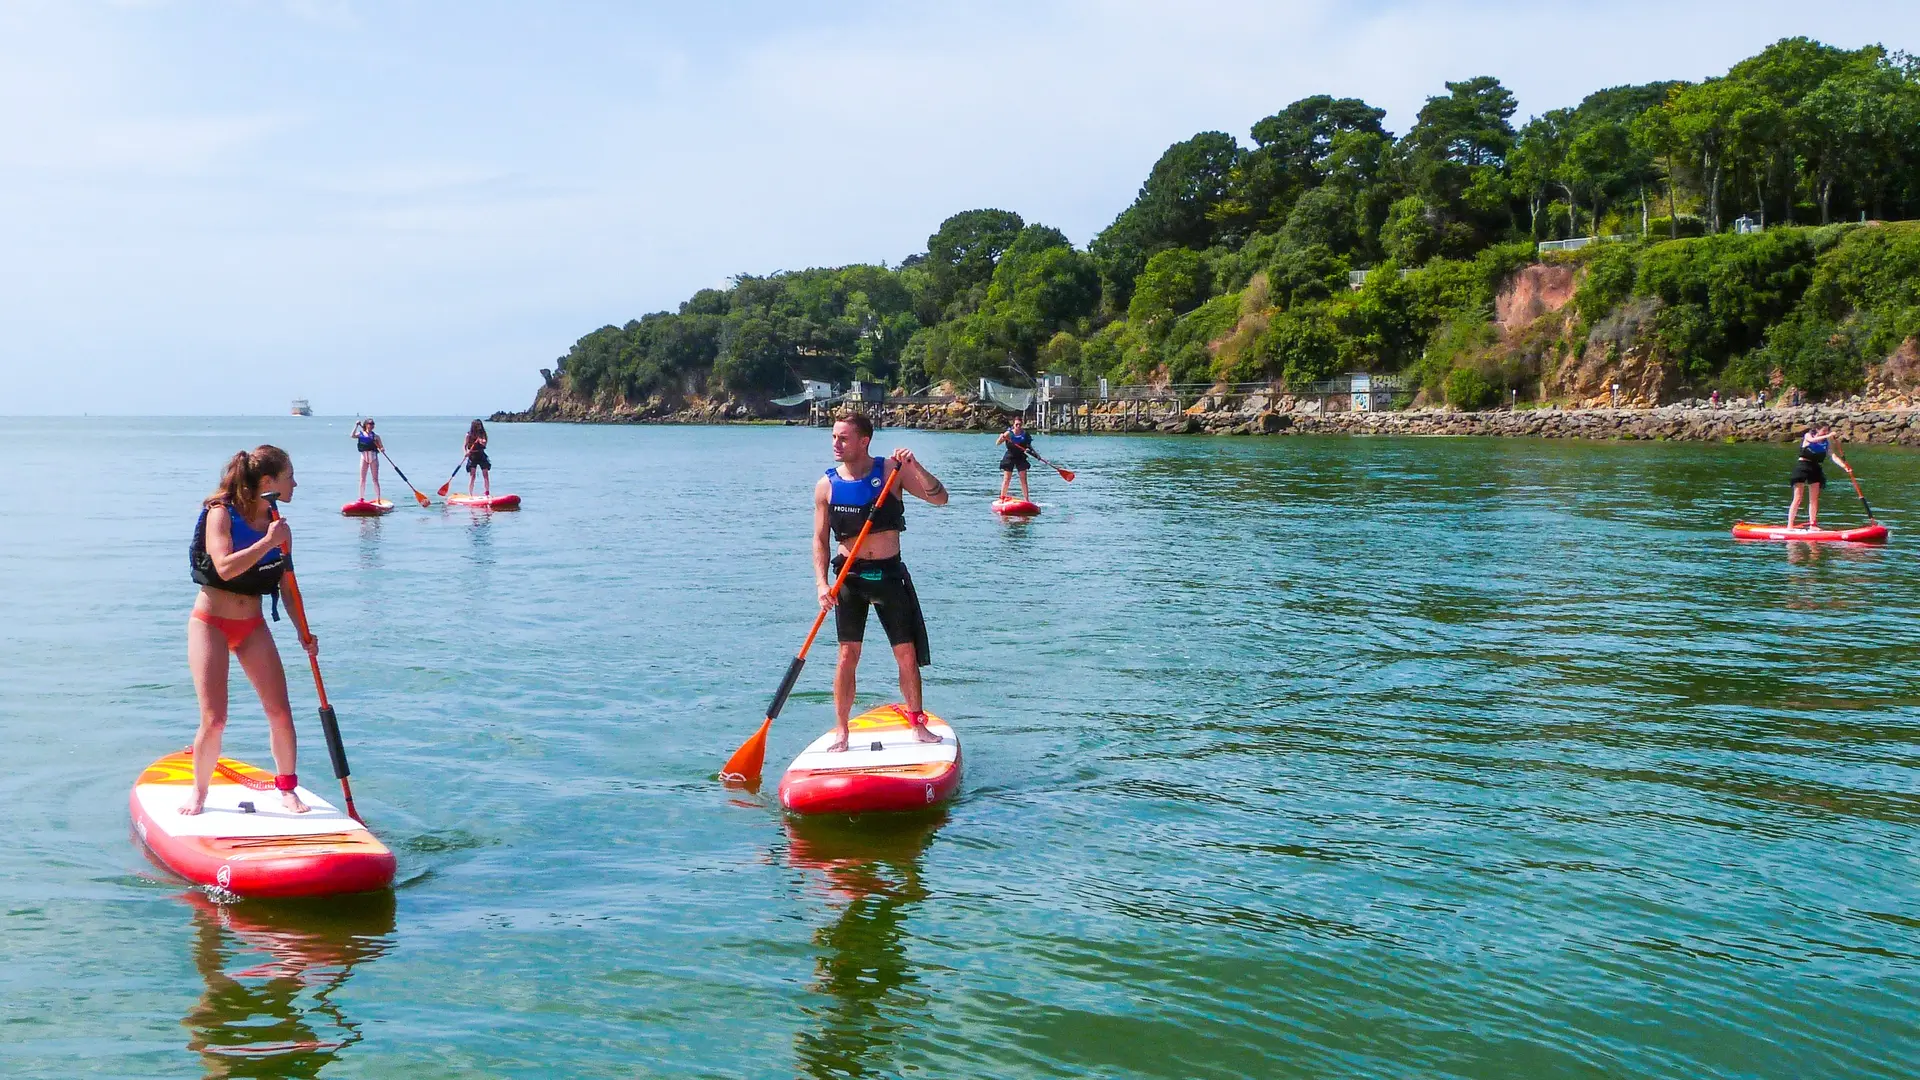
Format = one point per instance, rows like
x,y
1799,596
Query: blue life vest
x,y
849,503
368,441
1815,451
260,579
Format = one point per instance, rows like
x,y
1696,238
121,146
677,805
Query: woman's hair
x,y
240,484
477,430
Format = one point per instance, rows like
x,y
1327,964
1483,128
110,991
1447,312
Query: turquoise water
x,y
1286,757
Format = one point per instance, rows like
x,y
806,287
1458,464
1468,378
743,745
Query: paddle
x,y
745,766
1065,474
1862,494
329,724
456,472
421,499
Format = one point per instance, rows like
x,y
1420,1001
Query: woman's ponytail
x,y
240,482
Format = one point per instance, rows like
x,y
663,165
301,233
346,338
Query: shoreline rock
x,y
1876,423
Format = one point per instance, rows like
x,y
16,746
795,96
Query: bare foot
x,y
920,731
198,804
292,802
840,743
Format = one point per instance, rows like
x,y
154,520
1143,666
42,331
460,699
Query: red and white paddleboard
x,y
366,508
485,502
884,768
1015,507
267,851
1874,533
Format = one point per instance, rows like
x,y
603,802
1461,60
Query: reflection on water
x,y
870,993
369,549
272,972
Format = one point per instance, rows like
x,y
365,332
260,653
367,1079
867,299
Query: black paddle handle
x,y
786,687
337,750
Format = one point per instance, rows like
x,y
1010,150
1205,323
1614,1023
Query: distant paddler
x,y
474,447
370,449
238,555
1019,443
843,500
1807,478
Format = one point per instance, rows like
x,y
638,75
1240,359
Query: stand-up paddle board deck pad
x,y
485,502
1865,534
884,768
1015,507
269,852
363,508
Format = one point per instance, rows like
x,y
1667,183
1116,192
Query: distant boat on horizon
x,y
301,408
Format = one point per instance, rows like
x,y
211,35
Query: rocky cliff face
x,y
556,402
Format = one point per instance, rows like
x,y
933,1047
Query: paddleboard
x,y
1015,507
366,508
266,852
884,769
485,502
1875,533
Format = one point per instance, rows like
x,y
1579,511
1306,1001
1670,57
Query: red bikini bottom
x,y
236,630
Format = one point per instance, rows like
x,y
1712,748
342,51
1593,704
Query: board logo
x,y
225,876
929,792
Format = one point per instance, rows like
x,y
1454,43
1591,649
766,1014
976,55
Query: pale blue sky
x,y
410,207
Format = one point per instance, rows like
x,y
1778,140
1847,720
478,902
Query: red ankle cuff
x,y
286,781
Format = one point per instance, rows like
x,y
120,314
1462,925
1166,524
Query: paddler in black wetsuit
x,y
1807,479
1018,441
842,501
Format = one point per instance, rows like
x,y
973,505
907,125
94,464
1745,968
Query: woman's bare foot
x,y
198,804
839,743
292,802
918,723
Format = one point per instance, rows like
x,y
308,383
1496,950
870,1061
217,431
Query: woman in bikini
x,y
370,446
238,554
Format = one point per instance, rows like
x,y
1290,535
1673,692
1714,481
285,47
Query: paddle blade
x,y
422,499
1065,474
744,767
443,489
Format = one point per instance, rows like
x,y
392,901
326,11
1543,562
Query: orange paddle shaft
x,y
1862,494
746,764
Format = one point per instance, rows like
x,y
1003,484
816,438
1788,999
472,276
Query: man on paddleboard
x,y
842,501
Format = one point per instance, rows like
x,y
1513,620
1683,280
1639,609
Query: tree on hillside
x,y
1172,210
1455,158
1538,161
964,250
1294,153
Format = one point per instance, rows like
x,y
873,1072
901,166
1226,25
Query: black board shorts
x,y
1807,472
1012,462
886,585
479,460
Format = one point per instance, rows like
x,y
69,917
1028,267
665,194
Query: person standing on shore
x,y
238,555
843,501
1018,441
1807,479
474,446
370,447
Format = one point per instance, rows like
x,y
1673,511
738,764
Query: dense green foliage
x,y
1232,261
